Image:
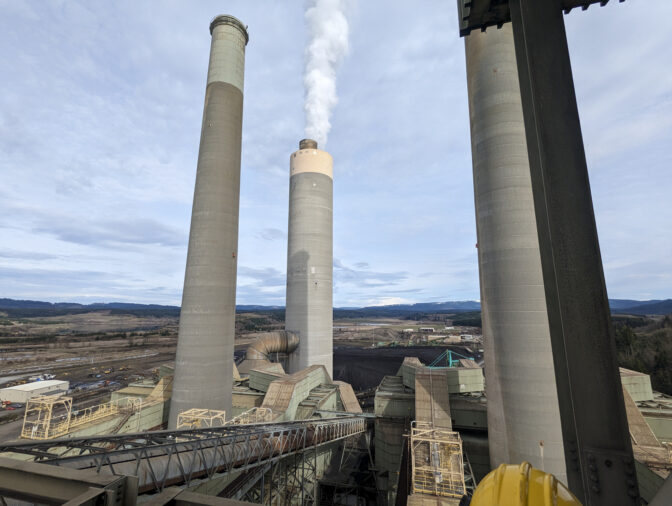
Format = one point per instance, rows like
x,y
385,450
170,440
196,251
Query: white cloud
x,y
388,301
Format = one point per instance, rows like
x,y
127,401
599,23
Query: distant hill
x,y
428,307
661,307
254,307
26,308
628,303
34,308
36,304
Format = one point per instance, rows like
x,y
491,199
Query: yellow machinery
x,y
436,459
196,418
51,416
47,417
522,485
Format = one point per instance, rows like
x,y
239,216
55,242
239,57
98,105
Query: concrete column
x,y
204,362
523,413
309,310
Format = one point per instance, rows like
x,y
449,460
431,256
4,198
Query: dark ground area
x,y
364,368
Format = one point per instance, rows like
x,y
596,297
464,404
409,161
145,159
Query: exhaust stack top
x,y
310,159
307,144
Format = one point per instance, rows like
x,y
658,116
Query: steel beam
x,y
168,458
175,496
600,465
480,14
44,484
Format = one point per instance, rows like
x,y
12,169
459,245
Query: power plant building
x,y
204,361
309,312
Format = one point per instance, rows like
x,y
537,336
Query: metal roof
x,y
36,385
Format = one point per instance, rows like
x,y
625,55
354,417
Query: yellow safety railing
x,y
49,417
254,415
197,418
436,459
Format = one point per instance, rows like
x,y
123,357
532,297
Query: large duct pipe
x,y
309,311
272,342
523,412
204,361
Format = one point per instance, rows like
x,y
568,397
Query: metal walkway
x,y
165,458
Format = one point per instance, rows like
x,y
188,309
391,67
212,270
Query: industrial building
x,y
25,392
418,408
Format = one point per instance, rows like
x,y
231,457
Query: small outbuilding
x,y
22,393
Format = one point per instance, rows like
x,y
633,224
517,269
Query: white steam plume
x,y
328,45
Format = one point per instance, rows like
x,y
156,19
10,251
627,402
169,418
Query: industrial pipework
x,y
272,342
204,360
309,311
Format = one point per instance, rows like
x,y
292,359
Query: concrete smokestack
x,y
204,362
309,311
523,412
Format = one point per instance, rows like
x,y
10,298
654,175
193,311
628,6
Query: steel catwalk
x,y
309,311
204,361
181,457
523,412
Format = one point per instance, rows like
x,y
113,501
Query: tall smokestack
x,y
523,411
309,311
204,362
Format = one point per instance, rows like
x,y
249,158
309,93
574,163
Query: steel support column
x,y
600,465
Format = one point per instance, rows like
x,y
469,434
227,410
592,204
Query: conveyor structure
x,y
181,457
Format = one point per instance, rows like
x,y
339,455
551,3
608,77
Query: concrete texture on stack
x,y
522,398
310,257
204,361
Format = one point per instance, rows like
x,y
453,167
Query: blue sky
x,y
100,111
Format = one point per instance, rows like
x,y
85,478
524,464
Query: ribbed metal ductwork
x,y
272,342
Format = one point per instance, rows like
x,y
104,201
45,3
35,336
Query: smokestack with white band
x,y
309,311
204,362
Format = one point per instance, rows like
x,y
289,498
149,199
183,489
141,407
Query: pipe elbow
x,y
272,342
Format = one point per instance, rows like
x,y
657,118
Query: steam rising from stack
x,y
328,45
